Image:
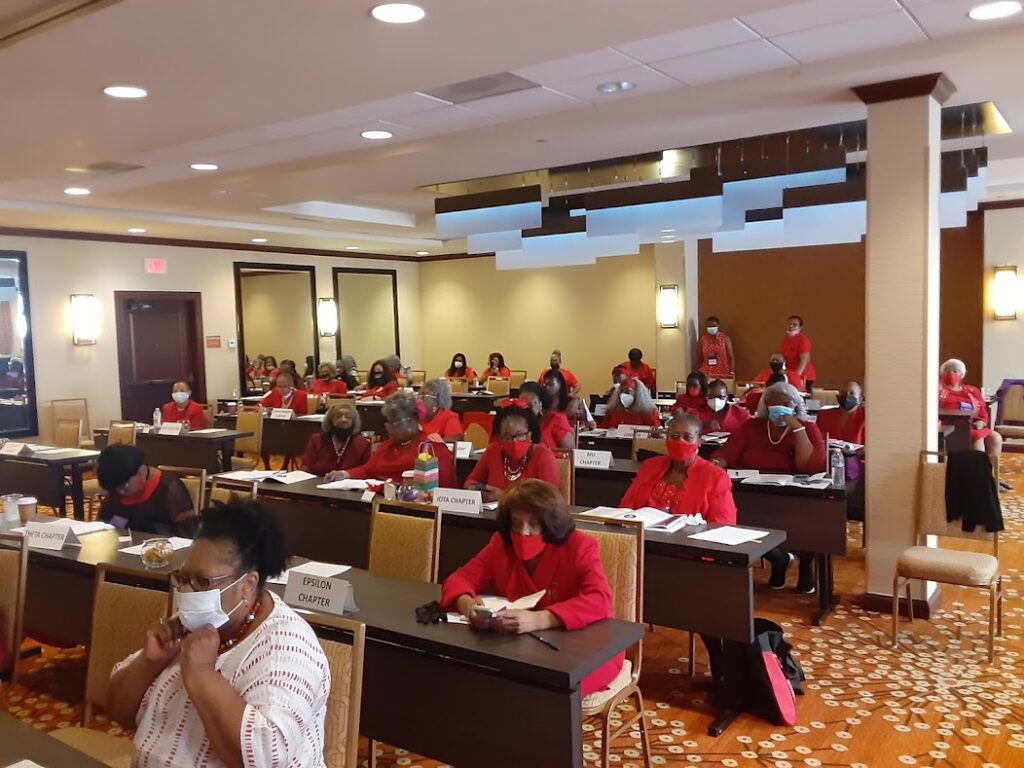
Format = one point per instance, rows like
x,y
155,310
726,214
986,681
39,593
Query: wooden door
x,y
159,342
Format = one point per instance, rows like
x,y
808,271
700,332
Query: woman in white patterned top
x,y
236,678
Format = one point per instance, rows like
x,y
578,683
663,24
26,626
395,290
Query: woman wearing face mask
x,y
796,349
954,395
458,368
380,382
846,423
270,367
495,367
236,677
683,483
779,439
777,364
718,414
692,399
183,408
325,382
140,497
339,445
435,409
516,456
285,395
537,547
555,431
631,403
716,356
555,364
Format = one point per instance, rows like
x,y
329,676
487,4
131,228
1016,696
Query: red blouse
x,y
643,372
569,376
714,356
297,402
490,470
707,489
465,373
729,420
193,413
612,419
553,427
445,423
571,572
791,348
329,387
389,461
830,422
503,373
321,457
950,401
382,392
749,448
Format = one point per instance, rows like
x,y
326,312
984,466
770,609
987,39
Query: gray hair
x,y
348,362
334,410
284,375
642,401
438,388
401,406
787,389
953,365
393,362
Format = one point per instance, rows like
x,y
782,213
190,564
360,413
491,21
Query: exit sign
x,y
155,266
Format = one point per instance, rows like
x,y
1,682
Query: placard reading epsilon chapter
x,y
171,428
45,536
320,594
592,459
454,500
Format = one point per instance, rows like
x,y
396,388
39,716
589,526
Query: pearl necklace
x,y
243,629
782,437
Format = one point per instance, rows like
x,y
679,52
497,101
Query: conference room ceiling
x,y
277,95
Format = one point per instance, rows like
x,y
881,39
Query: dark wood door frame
x,y
28,354
337,300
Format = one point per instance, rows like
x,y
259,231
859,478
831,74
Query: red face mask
x,y
515,450
680,450
954,379
527,547
693,391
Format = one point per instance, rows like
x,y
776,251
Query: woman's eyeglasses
x,y
195,583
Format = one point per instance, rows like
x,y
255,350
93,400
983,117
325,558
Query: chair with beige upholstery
x,y
210,414
478,436
121,432
1011,416
223,491
500,387
67,433
343,642
459,386
730,383
622,556
642,441
13,573
74,408
194,481
827,396
312,403
405,540
516,378
416,378
249,420
566,476
947,566
46,423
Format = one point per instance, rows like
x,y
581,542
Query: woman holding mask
x,y
339,445
495,367
435,409
516,456
555,431
325,382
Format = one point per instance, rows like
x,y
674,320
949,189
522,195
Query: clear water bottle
x,y
157,420
838,466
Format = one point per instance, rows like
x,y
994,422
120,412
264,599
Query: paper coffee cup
x,y
27,508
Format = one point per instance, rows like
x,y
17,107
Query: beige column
x,y
671,350
902,303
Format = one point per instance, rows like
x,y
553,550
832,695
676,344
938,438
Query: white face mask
x,y
180,397
458,363
712,330
199,609
717,403
626,400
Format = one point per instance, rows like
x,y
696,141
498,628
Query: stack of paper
x,y
653,519
248,475
207,431
729,534
818,481
349,485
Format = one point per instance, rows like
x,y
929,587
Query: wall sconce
x,y
327,317
85,319
668,306
1005,293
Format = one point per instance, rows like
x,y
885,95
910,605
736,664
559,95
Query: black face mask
x,y
376,376
847,402
555,366
776,366
342,433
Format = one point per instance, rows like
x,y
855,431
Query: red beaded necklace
x,y
243,629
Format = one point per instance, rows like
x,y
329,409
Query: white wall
x,y
1004,339
59,268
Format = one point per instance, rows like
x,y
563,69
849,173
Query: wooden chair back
x,y
210,414
312,403
730,384
498,386
459,386
416,378
827,396
478,436
250,421
121,433
642,441
1012,405
405,540
13,575
72,408
344,644
46,422
67,433
223,491
566,476
516,378
194,481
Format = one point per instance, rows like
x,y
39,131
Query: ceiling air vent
x,y
481,88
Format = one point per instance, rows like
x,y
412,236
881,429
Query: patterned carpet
x,y
935,701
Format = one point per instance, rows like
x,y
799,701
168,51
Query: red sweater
x,y
461,373
729,420
503,373
328,387
298,402
382,392
571,572
540,465
830,422
321,458
612,419
389,461
707,489
749,448
445,423
553,427
192,413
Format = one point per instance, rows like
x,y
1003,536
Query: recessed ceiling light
x,y
76,169
79,191
137,231
422,253
997,10
259,240
376,135
616,86
397,13
203,167
667,231
351,247
126,91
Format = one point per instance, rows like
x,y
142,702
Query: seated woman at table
x,y
338,445
694,397
270,367
683,483
401,372
436,414
777,364
515,455
555,431
140,497
327,382
537,546
954,395
778,439
15,376
183,408
572,405
380,382
236,677
398,453
495,367
288,366
718,414
255,369
753,396
846,423
555,364
286,395
458,369
631,403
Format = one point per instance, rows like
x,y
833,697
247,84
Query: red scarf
x,y
147,492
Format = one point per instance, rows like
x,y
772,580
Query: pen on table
x,y
544,640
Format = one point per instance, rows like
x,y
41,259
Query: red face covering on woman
x,y
515,450
954,379
680,450
527,547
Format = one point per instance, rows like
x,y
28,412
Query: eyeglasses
x,y
195,583
519,436
404,420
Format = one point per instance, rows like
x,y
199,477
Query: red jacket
x,y
687,402
729,420
321,458
571,572
328,387
707,489
540,465
389,461
830,422
193,413
445,423
644,373
553,427
612,419
298,402
749,448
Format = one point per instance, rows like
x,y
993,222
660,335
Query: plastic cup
x,y
10,505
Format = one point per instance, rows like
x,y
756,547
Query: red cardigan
x,y
192,413
388,462
612,419
749,448
729,420
321,458
445,423
540,465
553,427
571,572
331,387
830,422
299,404
707,489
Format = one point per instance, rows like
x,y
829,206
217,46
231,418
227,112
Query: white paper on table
x,y
496,603
311,417
454,617
248,474
24,764
55,451
593,433
766,479
676,522
287,478
648,516
177,542
350,484
742,474
729,534
490,505
206,431
312,568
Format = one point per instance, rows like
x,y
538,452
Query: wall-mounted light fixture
x,y
327,317
668,306
85,319
1005,295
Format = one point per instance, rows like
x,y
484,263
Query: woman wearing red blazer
x,y
285,395
537,547
338,446
695,396
516,455
631,403
183,408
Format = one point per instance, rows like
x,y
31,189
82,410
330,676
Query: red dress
x,y
540,465
297,401
569,376
320,456
389,461
707,489
612,419
383,391
951,401
445,423
193,413
729,420
553,427
643,372
749,448
791,348
714,356
332,387
830,422
571,572
791,376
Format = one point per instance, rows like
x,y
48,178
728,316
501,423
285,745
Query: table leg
x,y
728,675
227,450
826,589
77,491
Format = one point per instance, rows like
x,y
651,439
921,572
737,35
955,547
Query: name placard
x,y
601,409
591,459
368,495
45,536
455,500
463,449
171,428
321,594
11,448
283,414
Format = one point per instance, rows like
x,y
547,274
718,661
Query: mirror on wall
x,y
18,415
367,301
276,319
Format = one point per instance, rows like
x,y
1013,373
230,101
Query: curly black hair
x,y
252,530
514,412
563,388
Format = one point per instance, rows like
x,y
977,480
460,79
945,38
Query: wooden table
x,y
20,741
956,435
475,401
211,451
44,479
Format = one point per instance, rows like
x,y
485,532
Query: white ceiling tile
x,y
446,119
725,63
573,67
684,41
535,101
646,80
396,106
949,17
857,36
814,13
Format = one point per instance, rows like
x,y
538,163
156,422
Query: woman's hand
x,y
715,427
490,492
199,653
517,622
791,421
336,474
163,641
979,424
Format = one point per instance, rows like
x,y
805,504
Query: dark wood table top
x,y
221,435
19,741
60,456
